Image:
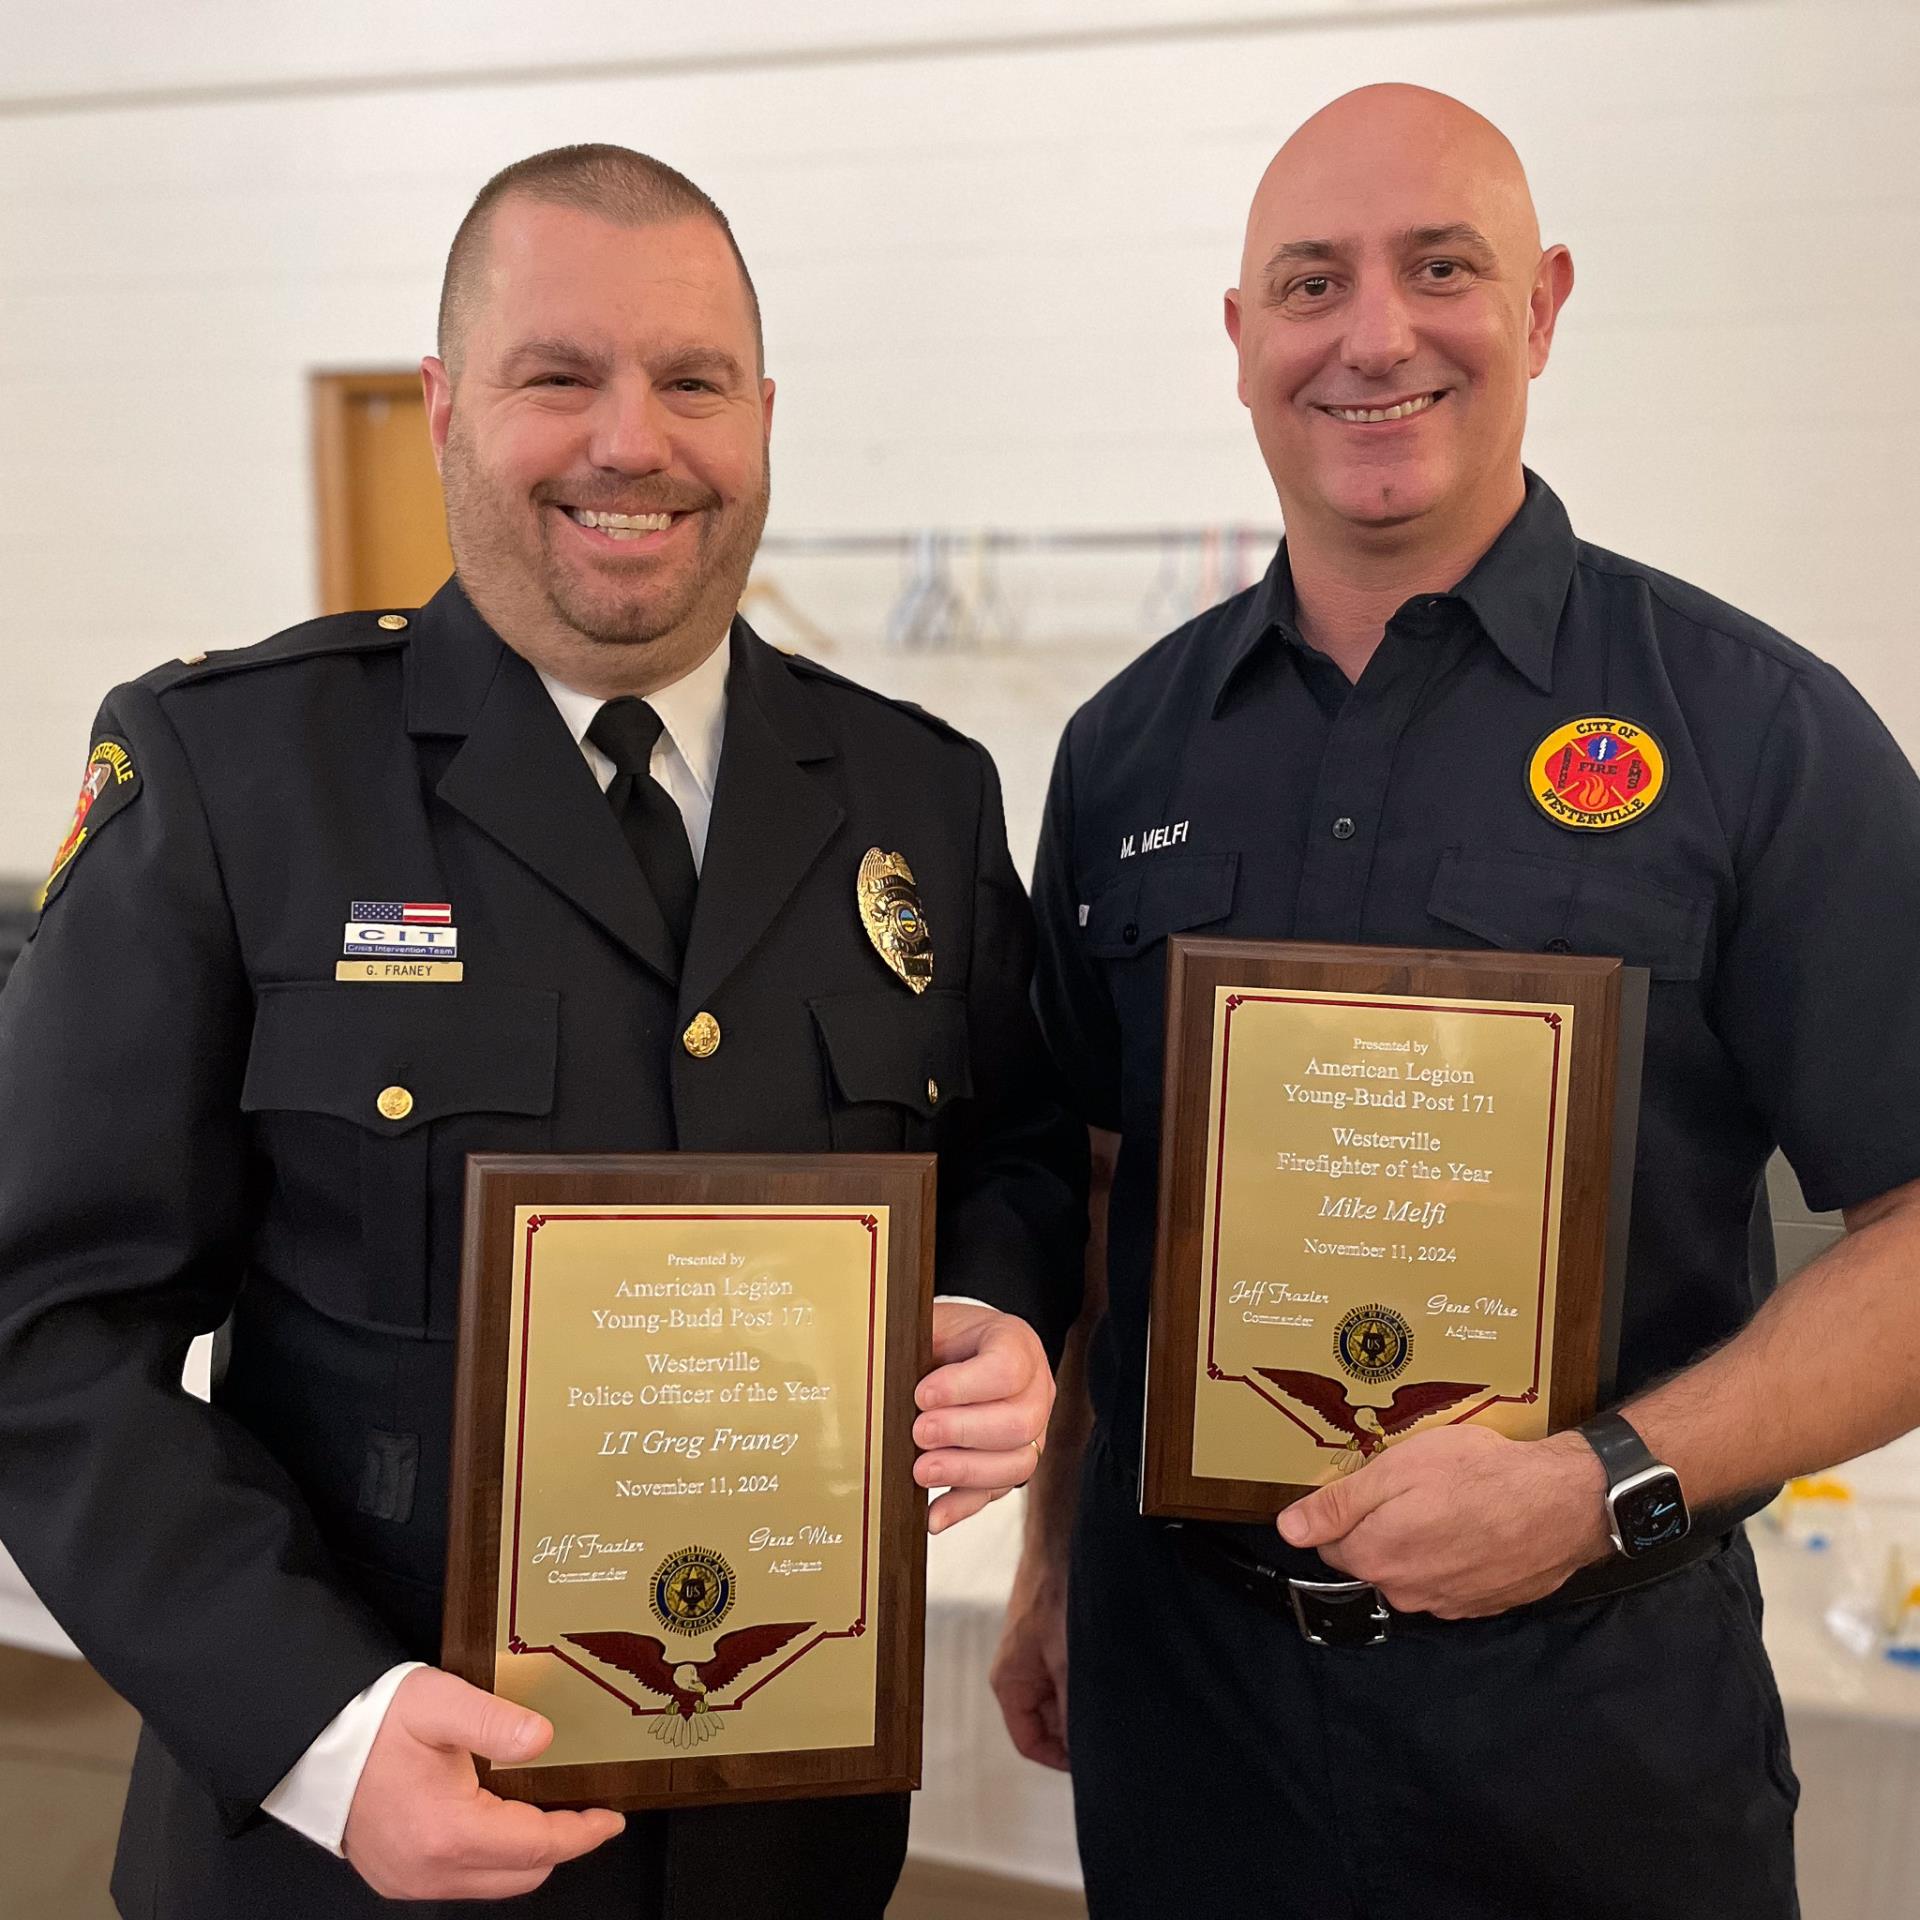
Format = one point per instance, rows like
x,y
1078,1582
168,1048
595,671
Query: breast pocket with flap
x,y
368,1100
1530,904
1168,894
894,1062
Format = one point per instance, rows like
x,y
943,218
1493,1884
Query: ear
x,y
766,408
1233,319
437,383
1552,283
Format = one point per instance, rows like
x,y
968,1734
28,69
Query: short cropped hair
x,y
630,189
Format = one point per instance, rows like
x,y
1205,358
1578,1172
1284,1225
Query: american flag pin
x,y
410,929
404,913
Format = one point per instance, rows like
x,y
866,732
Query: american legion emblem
x,y
1373,1343
692,1590
895,921
1596,774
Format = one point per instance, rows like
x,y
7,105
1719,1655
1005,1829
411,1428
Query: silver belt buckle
x,y
1320,1605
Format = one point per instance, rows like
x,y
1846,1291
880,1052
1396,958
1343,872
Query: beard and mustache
x,y
612,605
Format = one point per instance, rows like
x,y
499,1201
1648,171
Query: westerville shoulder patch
x,y
112,784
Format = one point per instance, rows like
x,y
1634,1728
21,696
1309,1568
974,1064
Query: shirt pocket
x,y
1531,904
367,1101
893,1062
1169,894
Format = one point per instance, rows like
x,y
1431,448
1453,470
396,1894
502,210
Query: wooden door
x,y
382,525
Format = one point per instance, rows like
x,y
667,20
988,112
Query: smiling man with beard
x,y
606,464
630,839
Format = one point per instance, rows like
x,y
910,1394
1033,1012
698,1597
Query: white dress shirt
x,y
686,757
317,1794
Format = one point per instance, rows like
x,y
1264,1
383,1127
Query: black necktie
x,y
626,731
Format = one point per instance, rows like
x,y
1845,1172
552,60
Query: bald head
x,y
1394,302
1392,142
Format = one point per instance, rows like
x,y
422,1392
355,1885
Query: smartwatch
x,y
1645,1507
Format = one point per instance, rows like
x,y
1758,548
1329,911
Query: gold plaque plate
x,y
1382,1220
690,1518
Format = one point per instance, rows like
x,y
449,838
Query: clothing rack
x,y
952,595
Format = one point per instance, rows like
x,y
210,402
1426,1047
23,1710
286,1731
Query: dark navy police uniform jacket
x,y
1230,781
194,1138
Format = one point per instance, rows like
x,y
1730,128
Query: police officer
x,y
1542,1725
636,832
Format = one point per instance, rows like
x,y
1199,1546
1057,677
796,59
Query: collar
x,y
453,657
1519,588
1517,591
693,711
517,775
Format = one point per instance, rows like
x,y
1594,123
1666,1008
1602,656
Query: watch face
x,y
1650,1514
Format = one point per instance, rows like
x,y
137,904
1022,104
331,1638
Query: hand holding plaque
x,y
686,1529
418,1829
1388,1202
984,1409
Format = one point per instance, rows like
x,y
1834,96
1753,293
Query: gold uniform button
x,y
395,1103
933,1093
393,622
702,1037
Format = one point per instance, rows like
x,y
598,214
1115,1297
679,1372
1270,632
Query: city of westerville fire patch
x,y
1596,774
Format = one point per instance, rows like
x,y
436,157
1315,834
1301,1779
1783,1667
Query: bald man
x,y
1527,1696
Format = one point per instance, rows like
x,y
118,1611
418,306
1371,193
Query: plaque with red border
x,y
683,1520
1394,1191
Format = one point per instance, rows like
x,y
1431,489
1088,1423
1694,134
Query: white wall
x,y
991,278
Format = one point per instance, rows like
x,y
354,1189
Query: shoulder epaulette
x,y
814,670
369,632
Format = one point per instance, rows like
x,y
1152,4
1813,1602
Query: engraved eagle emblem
x,y
1367,1428
895,921
685,1684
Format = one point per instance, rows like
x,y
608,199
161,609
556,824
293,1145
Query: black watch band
x,y
1646,1508
1621,1450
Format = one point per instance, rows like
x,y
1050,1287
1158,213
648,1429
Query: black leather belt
x,y
1351,1613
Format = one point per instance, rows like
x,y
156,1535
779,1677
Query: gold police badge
x,y
896,923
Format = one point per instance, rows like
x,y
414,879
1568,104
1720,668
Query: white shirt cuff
x,y
962,1300
317,1794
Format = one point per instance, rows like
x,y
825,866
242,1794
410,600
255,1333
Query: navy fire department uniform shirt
x,y
1569,753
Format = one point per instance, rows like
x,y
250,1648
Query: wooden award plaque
x,y
684,1523
1394,1186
